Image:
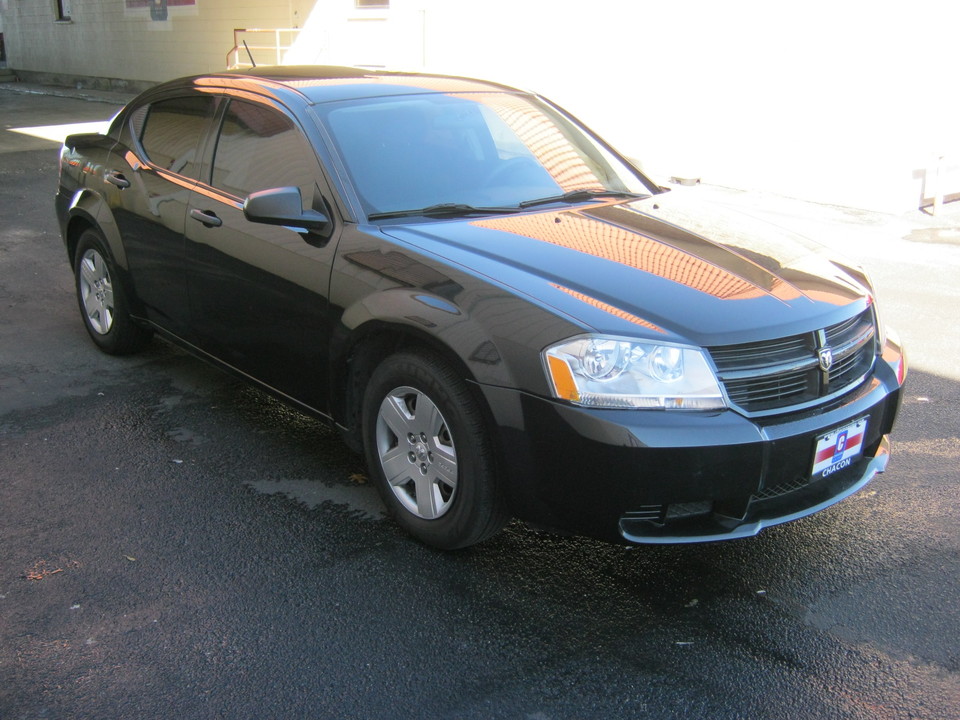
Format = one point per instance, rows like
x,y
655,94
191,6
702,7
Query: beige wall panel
x,y
108,39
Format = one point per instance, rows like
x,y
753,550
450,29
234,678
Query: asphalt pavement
x,y
176,544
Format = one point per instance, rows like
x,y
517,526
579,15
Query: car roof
x,y
329,83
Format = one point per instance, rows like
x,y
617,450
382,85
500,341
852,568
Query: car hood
x,y
669,266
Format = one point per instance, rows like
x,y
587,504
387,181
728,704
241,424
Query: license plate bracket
x,y
838,449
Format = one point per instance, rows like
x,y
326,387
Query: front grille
x,y
660,514
800,370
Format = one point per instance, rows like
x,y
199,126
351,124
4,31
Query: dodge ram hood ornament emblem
x,y
826,359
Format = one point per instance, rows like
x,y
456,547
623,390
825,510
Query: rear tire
x,y
429,451
102,299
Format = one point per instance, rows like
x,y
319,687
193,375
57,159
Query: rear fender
x,y
89,208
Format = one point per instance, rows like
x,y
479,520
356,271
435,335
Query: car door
x,y
258,293
155,166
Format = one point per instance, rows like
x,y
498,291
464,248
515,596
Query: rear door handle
x,y
115,178
206,217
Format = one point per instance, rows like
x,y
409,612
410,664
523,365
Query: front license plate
x,y
838,449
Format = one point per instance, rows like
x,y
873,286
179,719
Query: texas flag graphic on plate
x,y
838,448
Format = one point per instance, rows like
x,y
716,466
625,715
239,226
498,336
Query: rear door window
x,y
172,130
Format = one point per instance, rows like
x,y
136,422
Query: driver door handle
x,y
207,217
115,178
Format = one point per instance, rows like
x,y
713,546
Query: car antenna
x,y
249,54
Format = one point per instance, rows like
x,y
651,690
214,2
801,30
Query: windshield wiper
x,y
443,210
575,196
463,210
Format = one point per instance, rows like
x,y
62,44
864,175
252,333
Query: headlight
x,y
612,372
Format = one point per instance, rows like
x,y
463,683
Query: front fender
x,y
418,313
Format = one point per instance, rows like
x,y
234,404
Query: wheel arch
x,y
87,211
363,351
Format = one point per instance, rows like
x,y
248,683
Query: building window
x,y
372,4
63,9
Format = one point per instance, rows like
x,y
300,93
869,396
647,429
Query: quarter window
x,y
260,148
172,130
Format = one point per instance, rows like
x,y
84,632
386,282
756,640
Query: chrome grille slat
x,y
759,354
770,392
841,328
759,372
777,375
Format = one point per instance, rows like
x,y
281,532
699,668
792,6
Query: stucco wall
x,y
116,39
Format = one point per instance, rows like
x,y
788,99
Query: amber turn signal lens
x,y
563,382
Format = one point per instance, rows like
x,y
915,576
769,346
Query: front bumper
x,y
713,522
676,477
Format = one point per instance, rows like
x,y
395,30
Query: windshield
x,y
476,150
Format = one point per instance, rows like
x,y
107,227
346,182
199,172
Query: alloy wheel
x,y
96,291
417,453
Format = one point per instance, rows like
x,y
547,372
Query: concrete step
x,y
7,75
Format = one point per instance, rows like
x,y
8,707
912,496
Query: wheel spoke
x,y
396,465
444,463
393,412
88,272
429,502
92,305
429,419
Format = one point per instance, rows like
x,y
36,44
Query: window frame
x,y
141,114
63,11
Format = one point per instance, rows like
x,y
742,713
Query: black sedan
x,y
503,314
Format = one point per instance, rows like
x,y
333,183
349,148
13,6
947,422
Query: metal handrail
x,y
242,56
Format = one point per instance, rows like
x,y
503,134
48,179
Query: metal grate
x,y
782,489
800,370
652,513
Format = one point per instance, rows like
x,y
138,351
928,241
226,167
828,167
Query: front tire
x,y
102,300
428,449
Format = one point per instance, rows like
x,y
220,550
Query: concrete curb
x,y
104,96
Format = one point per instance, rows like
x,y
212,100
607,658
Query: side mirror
x,y
283,206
